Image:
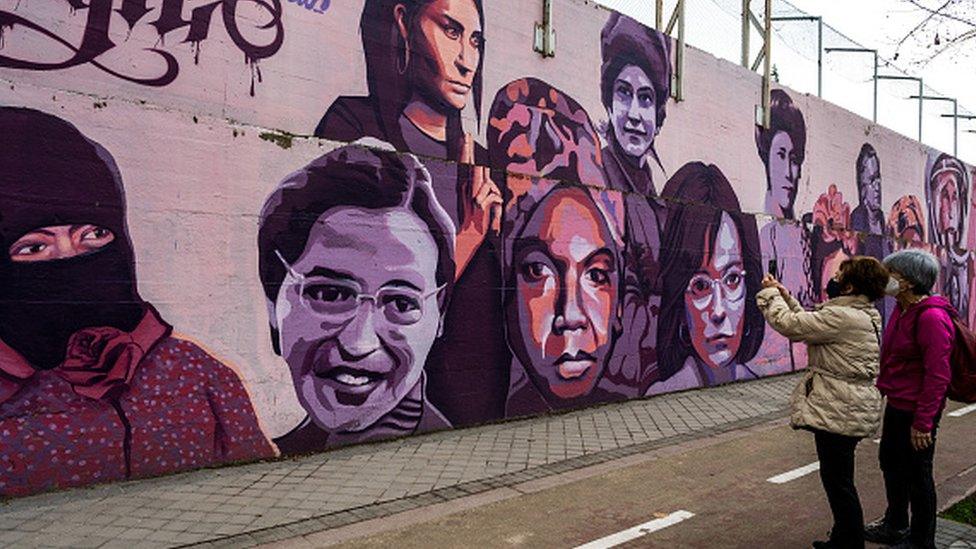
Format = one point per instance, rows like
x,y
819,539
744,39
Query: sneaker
x,y
879,532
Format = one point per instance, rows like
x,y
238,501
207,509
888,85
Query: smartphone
x,y
771,268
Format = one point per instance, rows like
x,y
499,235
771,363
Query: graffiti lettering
x,y
96,40
310,5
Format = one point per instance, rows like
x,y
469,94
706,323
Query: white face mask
x,y
893,288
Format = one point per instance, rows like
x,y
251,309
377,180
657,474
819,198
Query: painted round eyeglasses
x,y
701,287
338,301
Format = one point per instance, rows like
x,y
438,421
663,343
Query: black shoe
x,y
879,532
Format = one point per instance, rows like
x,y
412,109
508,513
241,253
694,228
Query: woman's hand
x,y
480,208
769,281
920,440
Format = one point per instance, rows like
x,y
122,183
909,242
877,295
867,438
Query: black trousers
x,y
908,477
836,454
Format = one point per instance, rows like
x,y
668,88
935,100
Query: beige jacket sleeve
x,y
790,320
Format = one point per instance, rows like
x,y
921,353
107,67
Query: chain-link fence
x,y
847,77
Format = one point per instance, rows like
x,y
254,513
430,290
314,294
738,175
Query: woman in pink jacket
x,y
914,376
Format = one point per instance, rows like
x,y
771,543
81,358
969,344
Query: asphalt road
x,y
722,481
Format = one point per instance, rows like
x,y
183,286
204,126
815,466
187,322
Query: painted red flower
x,y
834,215
100,362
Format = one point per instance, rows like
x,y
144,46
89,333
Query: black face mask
x,y
52,175
834,289
43,303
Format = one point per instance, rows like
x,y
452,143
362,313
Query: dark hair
x,y
698,196
624,42
383,48
350,176
784,116
866,275
821,247
867,151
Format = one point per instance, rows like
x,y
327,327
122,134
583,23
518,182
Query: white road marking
x,y
963,411
637,531
794,474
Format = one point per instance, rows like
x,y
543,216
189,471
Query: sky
x,y
893,18
713,25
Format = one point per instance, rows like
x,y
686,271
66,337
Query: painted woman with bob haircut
x,y
710,325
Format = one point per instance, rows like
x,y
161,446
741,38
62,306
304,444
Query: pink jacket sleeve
x,y
935,336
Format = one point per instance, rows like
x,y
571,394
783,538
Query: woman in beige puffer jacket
x,y
836,399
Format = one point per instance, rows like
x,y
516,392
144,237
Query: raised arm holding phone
x,y
836,399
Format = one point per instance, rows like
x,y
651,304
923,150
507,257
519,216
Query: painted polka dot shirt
x,y
123,405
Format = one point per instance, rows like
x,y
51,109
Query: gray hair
x,y
918,267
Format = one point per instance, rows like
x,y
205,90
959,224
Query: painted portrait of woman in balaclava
x,y
80,351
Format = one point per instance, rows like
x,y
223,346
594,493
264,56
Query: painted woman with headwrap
x,y
562,244
93,385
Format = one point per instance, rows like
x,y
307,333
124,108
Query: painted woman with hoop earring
x,y
424,62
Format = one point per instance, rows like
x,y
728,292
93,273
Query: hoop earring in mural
x,y
406,59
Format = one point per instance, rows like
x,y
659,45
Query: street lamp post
x,y
921,93
819,21
874,116
955,117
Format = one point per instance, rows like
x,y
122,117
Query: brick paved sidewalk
x,y
268,501
953,535
251,504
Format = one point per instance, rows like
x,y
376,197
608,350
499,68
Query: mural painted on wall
x,y
93,384
785,241
357,262
420,264
635,86
710,324
947,193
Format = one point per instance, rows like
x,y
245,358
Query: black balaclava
x,y
50,175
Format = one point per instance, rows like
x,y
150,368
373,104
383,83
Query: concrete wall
x,y
163,164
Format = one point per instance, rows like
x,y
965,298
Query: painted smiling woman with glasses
x,y
357,260
710,325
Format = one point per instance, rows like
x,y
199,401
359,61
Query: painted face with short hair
x,y
715,299
783,171
357,314
566,287
633,112
869,181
